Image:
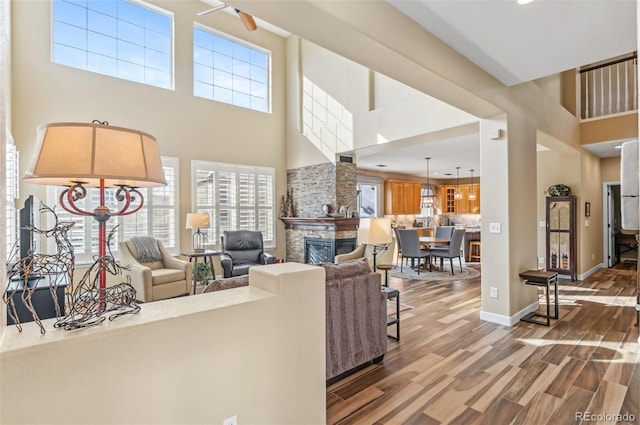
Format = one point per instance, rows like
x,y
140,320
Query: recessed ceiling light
x,y
524,1
381,165
617,147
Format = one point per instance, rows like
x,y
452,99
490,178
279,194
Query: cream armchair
x,y
166,277
383,256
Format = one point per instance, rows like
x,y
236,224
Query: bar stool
x,y
474,250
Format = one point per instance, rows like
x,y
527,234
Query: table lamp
x,y
198,221
374,231
84,155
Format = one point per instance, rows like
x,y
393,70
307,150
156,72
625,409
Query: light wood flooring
x,y
452,368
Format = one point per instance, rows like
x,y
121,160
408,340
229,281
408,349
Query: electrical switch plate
x,y
231,421
542,223
494,228
494,292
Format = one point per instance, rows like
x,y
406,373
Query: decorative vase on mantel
x,y
286,204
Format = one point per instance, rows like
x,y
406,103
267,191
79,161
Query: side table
x,y
193,258
544,279
386,268
393,294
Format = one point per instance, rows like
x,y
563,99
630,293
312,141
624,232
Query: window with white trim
x,y
127,39
228,70
158,217
12,159
236,197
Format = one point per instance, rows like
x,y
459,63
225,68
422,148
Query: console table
x,y
544,279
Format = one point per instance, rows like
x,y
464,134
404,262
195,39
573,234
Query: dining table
x,y
431,241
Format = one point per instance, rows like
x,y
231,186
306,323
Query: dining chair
x,y
452,252
442,232
411,247
395,230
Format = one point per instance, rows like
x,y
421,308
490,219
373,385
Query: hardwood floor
x,y
452,368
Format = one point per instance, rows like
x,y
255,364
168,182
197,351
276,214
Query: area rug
x,y
391,308
436,275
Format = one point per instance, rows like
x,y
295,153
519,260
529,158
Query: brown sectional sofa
x,y
356,314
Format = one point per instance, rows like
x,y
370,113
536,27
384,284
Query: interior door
x,y
611,254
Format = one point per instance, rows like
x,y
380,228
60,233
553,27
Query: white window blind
x,y
12,160
236,197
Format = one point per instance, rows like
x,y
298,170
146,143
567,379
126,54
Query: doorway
x,y
611,221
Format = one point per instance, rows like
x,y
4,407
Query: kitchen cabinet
x,y
450,205
401,197
425,231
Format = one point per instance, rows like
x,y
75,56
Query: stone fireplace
x,y
327,236
311,187
324,250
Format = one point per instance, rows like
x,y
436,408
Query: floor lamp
x,y
374,231
83,155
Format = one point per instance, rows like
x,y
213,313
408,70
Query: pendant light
x,y
457,194
472,194
427,194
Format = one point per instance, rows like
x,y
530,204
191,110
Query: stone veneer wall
x,y
346,185
312,187
316,185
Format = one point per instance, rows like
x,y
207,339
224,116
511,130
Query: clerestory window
x,y
127,39
230,71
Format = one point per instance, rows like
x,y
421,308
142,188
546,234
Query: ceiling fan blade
x,y
213,9
247,20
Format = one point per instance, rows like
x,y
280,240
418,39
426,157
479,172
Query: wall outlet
x,y
494,228
231,421
541,261
494,292
586,223
542,223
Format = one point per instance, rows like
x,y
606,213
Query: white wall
x,y
257,352
380,110
185,126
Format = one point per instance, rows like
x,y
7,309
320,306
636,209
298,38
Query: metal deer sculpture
x,y
86,304
24,275
90,305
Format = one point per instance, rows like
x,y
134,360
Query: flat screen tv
x,y
28,218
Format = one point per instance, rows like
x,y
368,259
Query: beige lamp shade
x,y
198,221
88,152
374,231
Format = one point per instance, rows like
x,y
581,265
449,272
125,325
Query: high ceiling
x,y
515,43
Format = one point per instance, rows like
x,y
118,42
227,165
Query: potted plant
x,y
203,273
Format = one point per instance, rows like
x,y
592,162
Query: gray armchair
x,y
241,250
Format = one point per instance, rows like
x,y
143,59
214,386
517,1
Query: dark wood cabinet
x,y
561,235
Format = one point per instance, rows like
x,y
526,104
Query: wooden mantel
x,y
320,223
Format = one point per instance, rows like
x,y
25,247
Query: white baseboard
x,y
591,271
508,320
